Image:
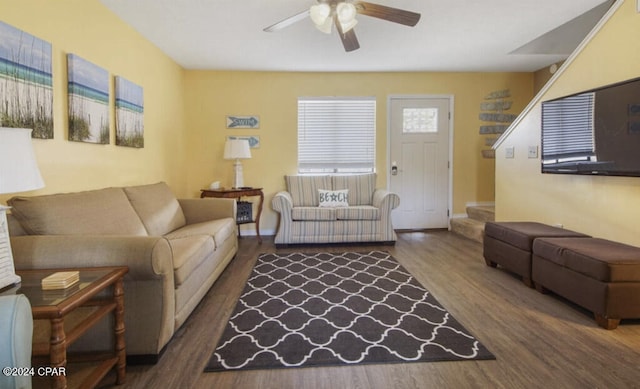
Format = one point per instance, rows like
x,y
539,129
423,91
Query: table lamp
x,y
18,173
237,149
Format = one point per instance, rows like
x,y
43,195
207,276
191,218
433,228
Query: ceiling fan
x,y
342,14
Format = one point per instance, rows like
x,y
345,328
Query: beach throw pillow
x,y
333,198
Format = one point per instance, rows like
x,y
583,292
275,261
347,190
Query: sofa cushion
x,y
304,189
15,228
188,253
333,198
100,212
362,212
220,230
361,187
157,207
313,213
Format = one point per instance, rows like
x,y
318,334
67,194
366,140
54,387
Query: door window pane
x,y
419,120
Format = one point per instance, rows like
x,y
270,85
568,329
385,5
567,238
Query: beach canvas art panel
x,y
26,83
129,113
88,101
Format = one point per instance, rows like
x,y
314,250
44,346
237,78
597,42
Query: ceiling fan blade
x,y
349,39
288,21
391,14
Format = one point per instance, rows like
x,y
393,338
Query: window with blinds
x,y
567,129
336,135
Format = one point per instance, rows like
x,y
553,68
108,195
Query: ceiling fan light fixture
x,y
348,26
342,13
346,16
346,12
326,26
320,13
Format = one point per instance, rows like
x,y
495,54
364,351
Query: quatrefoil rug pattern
x,y
323,309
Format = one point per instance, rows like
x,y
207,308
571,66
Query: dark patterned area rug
x,y
334,309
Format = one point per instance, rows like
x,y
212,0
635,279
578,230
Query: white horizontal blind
x,y
336,135
568,127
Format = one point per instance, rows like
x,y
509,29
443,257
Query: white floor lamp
x,y
18,173
237,149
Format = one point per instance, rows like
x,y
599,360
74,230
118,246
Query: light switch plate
x,y
509,152
533,152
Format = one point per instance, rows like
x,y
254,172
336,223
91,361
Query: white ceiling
x,y
452,35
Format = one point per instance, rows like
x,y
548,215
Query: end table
x,y
55,306
238,193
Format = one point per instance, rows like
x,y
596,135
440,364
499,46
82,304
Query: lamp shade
x,y
237,149
346,14
320,15
18,166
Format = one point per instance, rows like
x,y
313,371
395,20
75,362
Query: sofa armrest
x,y
148,258
202,210
282,202
385,200
16,332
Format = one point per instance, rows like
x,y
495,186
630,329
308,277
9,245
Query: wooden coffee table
x,y
58,305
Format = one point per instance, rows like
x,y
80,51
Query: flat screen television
x,y
595,132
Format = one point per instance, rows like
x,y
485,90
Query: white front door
x,y
419,150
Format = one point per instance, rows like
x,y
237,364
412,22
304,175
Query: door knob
x,y
394,168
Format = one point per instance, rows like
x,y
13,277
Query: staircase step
x,y
483,213
470,228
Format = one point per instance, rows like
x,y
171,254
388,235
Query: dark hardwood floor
x,y
540,341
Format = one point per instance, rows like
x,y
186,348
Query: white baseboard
x,y
251,231
483,203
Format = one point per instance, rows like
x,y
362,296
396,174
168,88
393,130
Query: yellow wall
x,y
211,95
606,207
542,76
88,29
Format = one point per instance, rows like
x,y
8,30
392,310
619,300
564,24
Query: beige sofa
x,y
366,218
175,249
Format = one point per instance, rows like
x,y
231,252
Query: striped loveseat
x,y
365,216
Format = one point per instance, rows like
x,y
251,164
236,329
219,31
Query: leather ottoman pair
x,y
598,274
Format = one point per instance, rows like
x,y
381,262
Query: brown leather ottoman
x,y
600,275
509,244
